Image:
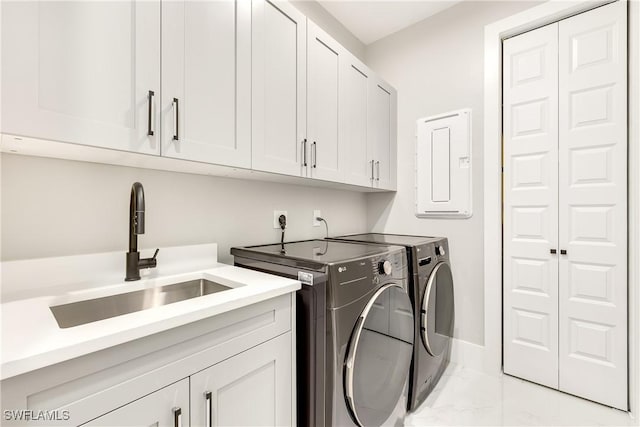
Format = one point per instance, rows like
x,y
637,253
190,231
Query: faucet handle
x,y
155,254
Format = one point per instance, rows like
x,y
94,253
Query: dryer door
x,y
437,310
379,355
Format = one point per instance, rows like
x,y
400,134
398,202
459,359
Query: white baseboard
x,y
469,355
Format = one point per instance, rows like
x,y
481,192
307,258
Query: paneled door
x,y
324,56
530,183
593,205
354,105
82,72
565,192
279,79
206,81
252,388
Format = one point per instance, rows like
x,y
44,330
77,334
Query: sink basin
x,y
87,311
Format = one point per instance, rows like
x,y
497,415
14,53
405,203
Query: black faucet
x,y
136,226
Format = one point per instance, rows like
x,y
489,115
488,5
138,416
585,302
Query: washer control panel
x,y
385,267
390,266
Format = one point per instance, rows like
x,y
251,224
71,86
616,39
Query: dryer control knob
x,y
385,267
440,250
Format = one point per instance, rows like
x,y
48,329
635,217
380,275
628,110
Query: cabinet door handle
x,y
553,251
177,417
314,154
563,251
208,409
149,114
372,162
378,169
176,135
304,152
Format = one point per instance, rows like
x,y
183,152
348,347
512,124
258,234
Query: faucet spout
x,y
136,215
136,227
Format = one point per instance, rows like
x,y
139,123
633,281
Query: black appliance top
x,y
315,252
390,239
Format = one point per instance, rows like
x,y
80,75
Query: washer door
x,y
437,310
379,355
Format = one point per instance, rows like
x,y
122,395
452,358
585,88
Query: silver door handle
x,y
372,162
208,409
149,115
304,152
314,154
378,169
176,134
177,417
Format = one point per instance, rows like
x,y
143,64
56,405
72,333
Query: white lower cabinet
x,y
232,369
167,407
250,389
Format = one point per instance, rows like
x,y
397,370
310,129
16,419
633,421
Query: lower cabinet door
x,y
167,407
253,388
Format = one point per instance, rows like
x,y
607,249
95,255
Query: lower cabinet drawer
x,y
167,407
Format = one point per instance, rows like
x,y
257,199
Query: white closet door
x,y
530,90
593,205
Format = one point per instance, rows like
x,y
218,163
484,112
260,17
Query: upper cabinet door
x,y
356,154
382,133
324,56
82,72
279,88
206,81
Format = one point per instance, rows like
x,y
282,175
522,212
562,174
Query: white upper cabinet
x,y
247,84
206,81
324,56
82,72
354,106
382,133
279,88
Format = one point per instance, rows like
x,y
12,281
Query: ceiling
x,y
371,20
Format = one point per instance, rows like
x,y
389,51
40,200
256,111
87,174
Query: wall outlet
x,y
276,215
316,214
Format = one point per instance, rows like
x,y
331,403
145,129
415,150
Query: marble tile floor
x,y
465,397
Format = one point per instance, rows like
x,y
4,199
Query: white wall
x,y
331,25
436,66
56,207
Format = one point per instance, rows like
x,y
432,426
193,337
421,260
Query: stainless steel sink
x,y
87,311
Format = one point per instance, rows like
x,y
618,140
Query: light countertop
x,y
32,339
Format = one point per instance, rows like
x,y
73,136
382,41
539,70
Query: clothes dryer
x,y
431,291
354,328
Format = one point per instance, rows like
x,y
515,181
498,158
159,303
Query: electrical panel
x,y
443,165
